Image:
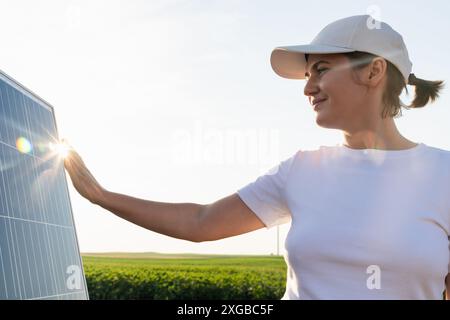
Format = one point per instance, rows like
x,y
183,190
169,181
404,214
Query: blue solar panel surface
x,y
39,253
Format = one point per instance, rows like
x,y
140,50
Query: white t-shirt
x,y
365,223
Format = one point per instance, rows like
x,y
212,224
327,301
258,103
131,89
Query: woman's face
x,y
330,77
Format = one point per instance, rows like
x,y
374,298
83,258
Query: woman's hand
x,y
82,179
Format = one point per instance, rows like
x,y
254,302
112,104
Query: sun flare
x,y
62,149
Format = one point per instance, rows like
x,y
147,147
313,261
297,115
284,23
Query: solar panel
x,y
39,253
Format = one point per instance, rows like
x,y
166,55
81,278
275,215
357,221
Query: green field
x,y
183,276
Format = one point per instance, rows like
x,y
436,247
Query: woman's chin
x,y
321,119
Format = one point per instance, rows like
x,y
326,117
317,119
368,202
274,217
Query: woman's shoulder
x,y
439,150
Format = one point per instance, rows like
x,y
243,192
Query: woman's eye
x,y
319,71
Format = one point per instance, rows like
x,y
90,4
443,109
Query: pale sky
x,y
176,101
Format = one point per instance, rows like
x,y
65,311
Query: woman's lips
x,y
317,104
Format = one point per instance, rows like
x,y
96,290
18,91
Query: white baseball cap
x,y
355,33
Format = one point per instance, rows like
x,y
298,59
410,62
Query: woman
x,y
370,218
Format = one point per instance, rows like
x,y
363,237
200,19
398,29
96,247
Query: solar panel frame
x,y
43,103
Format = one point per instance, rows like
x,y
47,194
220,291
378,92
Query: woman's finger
x,y
76,157
73,157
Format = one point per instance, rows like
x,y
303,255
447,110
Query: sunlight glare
x,y
23,145
62,149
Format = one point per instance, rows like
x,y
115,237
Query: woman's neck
x,y
383,136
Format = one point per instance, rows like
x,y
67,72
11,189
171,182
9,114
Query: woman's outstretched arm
x,y
188,221
177,220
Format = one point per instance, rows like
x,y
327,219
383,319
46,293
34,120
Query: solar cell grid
x,y
39,254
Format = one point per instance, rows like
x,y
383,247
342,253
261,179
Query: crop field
x,y
183,276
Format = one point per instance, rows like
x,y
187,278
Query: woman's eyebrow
x,y
314,66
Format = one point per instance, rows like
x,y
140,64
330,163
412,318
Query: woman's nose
x,y
311,88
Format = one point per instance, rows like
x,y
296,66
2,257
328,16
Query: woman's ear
x,y
376,71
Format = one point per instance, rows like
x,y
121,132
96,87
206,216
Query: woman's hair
x,y
425,90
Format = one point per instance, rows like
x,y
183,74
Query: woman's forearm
x,y
178,220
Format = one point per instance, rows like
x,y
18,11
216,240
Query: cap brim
x,y
289,62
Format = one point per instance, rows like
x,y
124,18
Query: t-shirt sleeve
x,y
266,197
